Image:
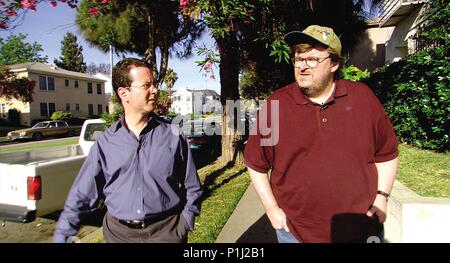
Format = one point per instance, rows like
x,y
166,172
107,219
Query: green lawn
x,y
38,145
425,172
223,190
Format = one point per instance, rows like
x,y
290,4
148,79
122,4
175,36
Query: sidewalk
x,y
248,223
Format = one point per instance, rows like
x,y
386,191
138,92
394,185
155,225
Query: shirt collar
x,y
151,123
300,98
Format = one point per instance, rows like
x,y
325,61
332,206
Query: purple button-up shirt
x,y
137,177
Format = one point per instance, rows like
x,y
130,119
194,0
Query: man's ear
x,y
334,66
122,92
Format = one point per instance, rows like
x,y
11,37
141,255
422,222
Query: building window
x,y
68,107
46,83
47,109
90,109
51,108
50,83
89,88
99,88
3,111
76,84
42,83
107,108
66,82
100,109
77,107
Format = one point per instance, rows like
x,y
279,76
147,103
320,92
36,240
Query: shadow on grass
x,y
208,184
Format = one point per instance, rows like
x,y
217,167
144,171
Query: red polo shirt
x,y
323,161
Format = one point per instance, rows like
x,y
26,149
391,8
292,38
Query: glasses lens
x,y
311,62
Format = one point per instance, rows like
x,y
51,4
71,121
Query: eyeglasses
x,y
311,62
145,86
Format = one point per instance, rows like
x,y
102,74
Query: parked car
x,y
203,137
45,129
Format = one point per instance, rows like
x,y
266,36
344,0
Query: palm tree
x,y
170,79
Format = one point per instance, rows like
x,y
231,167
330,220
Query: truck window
x,y
93,131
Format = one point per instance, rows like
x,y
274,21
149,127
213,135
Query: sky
x,y
48,25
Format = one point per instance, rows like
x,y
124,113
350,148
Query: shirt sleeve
x,y
386,142
257,155
83,196
191,184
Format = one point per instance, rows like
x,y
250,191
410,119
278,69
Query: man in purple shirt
x,y
141,167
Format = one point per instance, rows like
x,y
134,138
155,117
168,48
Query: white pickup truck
x,y
36,182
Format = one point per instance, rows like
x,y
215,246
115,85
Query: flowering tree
x,y
10,10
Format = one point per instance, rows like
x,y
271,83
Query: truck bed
x,y
40,155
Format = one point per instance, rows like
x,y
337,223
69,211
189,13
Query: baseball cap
x,y
324,35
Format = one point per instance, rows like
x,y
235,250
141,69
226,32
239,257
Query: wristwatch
x,y
386,195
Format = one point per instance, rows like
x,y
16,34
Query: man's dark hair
x,y
121,72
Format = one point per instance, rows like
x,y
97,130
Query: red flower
x,y
53,3
183,2
208,65
105,2
94,11
27,3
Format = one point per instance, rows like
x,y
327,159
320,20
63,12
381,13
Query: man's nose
x,y
154,89
303,65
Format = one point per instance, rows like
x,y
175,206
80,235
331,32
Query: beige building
x,y
389,38
57,89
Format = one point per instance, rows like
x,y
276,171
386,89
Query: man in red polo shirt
x,y
331,151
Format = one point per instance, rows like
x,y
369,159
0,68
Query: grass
x,y
425,172
38,145
223,188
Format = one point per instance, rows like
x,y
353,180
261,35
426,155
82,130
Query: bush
x,y
353,73
416,96
14,117
61,116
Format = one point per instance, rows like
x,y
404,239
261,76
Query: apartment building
x,y
57,89
186,101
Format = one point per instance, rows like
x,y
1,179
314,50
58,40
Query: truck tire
x,y
37,136
71,133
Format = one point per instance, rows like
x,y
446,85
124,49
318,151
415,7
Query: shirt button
x,y
324,120
138,211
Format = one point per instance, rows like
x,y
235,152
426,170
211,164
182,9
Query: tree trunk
x,y
232,144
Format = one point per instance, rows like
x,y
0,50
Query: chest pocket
x,y
159,161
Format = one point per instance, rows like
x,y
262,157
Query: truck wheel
x,y
71,133
37,136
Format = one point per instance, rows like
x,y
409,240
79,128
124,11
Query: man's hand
x,y
278,218
379,208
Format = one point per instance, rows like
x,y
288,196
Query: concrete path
x,y
248,223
